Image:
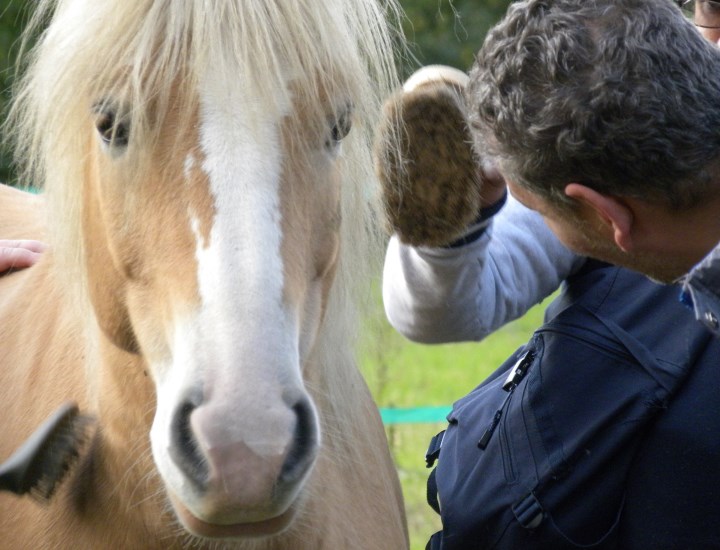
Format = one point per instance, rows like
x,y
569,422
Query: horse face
x,y
219,244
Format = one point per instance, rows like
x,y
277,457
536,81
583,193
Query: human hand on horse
x,y
19,254
435,189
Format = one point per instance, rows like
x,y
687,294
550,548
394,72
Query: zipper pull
x,y
519,370
517,373
485,439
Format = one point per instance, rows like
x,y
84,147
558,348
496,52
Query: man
x,y
464,290
603,116
496,268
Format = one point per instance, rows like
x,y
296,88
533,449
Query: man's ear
x,y
613,212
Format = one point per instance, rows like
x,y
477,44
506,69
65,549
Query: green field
x,y
403,374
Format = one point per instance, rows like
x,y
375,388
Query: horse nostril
x,y
304,444
184,449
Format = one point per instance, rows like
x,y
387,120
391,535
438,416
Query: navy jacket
x,y
609,436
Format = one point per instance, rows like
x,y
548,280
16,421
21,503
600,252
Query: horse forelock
x,y
140,49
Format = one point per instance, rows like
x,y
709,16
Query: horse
x,y
211,212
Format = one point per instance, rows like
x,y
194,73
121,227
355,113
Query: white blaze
x,y
241,266
240,348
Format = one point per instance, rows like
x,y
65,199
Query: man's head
x,y
600,112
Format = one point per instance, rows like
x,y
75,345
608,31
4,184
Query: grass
x,y
403,374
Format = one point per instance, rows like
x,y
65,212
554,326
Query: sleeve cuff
x,y
478,227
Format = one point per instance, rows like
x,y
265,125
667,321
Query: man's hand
x,y
434,187
494,186
19,254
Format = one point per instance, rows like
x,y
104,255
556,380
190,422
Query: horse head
x,y
196,159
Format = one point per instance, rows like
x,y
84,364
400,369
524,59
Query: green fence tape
x,y
419,415
30,189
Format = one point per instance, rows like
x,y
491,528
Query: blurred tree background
x,y
12,13
439,31
448,32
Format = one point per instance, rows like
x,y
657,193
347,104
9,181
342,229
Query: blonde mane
x,y
141,48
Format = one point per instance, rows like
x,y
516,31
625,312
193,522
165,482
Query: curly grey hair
x,y
622,96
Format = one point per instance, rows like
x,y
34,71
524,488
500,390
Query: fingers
x,y
493,183
27,244
436,73
17,254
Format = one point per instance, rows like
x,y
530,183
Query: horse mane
x,y
141,48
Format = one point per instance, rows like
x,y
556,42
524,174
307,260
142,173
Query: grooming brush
x,y
41,463
431,185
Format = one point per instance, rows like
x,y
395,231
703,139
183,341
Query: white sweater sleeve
x,y
436,295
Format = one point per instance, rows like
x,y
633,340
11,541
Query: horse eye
x,y
341,126
112,129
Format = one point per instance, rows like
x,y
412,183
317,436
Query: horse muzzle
x,y
234,477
